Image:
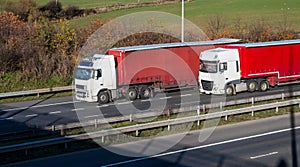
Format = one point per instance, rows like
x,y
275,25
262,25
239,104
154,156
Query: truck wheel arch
x,y
263,85
104,96
252,85
132,93
145,92
230,90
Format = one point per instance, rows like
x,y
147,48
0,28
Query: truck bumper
x,y
215,92
84,96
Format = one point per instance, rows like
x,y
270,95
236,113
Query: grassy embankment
x,y
272,12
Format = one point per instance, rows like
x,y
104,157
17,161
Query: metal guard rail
x,y
138,127
37,91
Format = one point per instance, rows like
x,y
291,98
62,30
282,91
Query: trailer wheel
x,y
132,94
263,85
252,85
229,90
103,97
145,92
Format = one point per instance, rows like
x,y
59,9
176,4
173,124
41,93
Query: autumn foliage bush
x,y
39,48
36,52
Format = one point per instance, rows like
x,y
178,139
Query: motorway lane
x,y
264,142
62,111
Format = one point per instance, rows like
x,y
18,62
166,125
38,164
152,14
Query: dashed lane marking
x,y
263,155
165,98
91,116
78,109
39,106
186,95
55,112
31,115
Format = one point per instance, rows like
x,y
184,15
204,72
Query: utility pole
x,y
182,21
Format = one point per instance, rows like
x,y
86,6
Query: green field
x,y
200,11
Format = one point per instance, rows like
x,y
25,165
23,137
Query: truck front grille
x,y
207,85
80,87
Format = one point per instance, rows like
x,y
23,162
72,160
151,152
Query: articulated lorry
x,y
137,71
249,67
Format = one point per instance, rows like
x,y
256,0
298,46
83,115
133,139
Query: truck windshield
x,y
208,66
84,74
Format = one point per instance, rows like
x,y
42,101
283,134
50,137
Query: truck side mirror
x,y
221,67
98,74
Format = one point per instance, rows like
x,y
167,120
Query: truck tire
x,y
229,90
263,85
132,94
145,92
252,85
103,97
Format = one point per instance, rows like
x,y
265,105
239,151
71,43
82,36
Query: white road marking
x,y
169,97
39,106
78,109
5,119
32,115
145,100
127,102
186,95
105,105
201,147
55,112
91,116
264,155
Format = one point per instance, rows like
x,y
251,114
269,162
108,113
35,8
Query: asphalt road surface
x,y
56,111
266,142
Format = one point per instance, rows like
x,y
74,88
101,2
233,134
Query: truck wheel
x,y
132,94
263,85
145,93
229,90
103,97
252,85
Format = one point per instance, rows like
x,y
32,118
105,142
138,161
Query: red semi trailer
x,y
135,71
249,67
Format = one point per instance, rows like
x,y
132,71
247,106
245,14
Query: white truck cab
x,y
94,75
219,69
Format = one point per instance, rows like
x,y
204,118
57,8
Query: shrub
x,y
53,8
72,11
22,8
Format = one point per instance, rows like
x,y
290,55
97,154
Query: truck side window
x,y
223,66
99,73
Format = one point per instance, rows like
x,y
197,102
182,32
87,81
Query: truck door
x,y
231,71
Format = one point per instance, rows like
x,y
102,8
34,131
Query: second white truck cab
x,y
219,69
